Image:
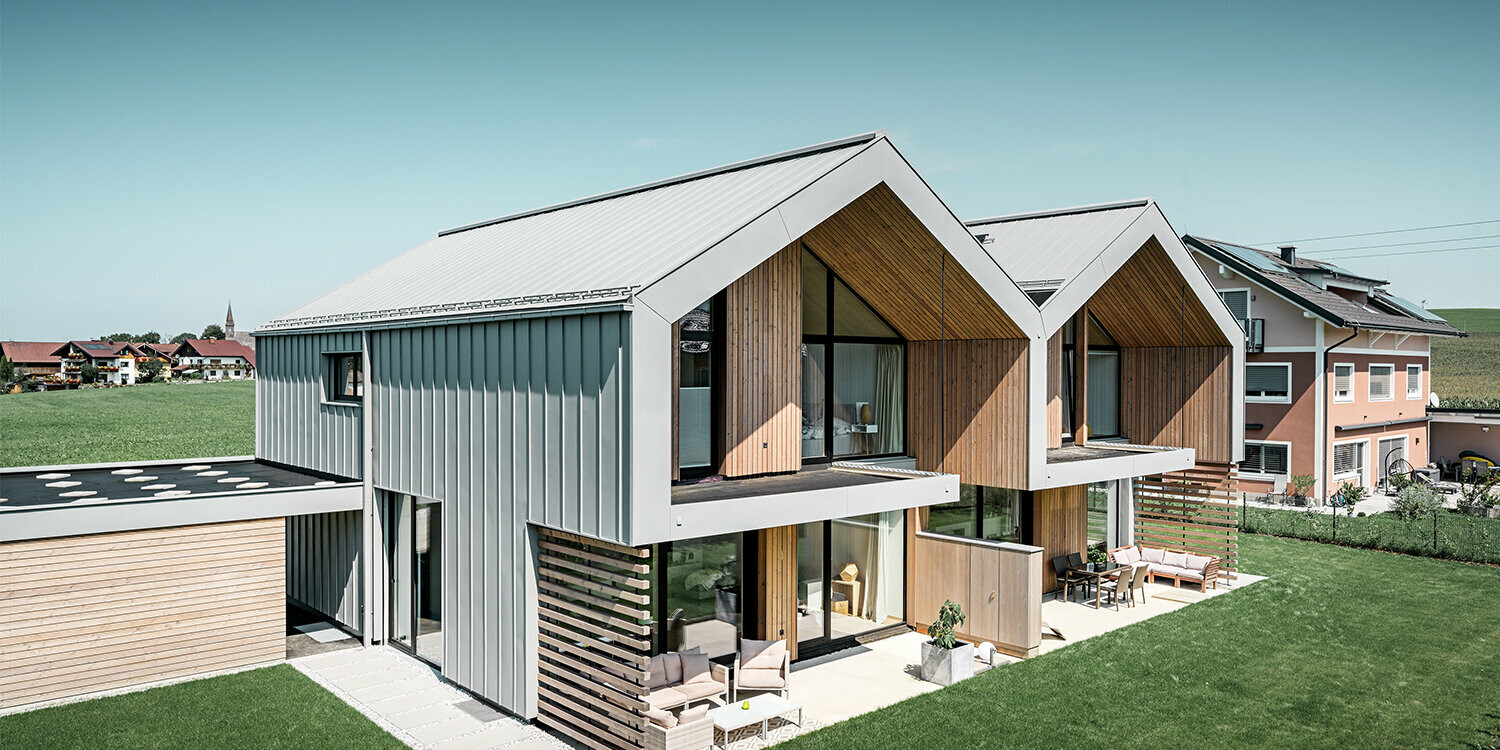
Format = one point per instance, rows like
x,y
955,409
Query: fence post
x,y
1335,526
1434,533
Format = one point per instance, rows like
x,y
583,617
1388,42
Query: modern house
x,y
217,359
790,398
1337,379
115,359
33,359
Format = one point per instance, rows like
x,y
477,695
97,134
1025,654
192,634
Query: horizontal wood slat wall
x,y
968,414
1148,303
1191,510
594,635
886,256
90,613
1179,396
762,368
1059,525
776,585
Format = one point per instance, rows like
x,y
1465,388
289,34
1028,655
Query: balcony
x,y
1108,461
1255,334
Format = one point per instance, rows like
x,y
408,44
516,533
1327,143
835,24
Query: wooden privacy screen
x,y
81,614
1191,510
593,606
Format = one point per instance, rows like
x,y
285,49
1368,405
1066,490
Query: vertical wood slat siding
x,y
87,613
508,423
1179,396
968,415
776,585
323,571
592,659
1148,303
294,423
1055,375
1059,526
762,366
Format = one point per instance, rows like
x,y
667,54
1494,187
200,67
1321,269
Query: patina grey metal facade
x,y
295,423
322,565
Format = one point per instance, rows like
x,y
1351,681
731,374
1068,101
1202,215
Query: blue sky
x,y
158,160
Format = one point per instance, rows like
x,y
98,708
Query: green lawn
x,y
1466,367
139,423
1458,536
1340,648
275,707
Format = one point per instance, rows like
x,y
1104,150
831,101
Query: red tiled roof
x,y
217,348
32,352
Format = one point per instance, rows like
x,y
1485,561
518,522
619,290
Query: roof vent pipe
x,y
1288,254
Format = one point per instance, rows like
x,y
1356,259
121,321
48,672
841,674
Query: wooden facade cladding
x,y
1194,510
1059,525
968,407
999,590
594,639
88,613
1179,396
1055,374
885,255
776,585
1148,303
762,376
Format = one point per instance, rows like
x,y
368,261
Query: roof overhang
x,y
1127,461
1464,416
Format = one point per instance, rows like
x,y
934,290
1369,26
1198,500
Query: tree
x,y
150,337
7,370
116,337
88,373
213,331
147,370
181,338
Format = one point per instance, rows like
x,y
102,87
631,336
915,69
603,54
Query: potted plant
x,y
945,659
1098,558
1302,484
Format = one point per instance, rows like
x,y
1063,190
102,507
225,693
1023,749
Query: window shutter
x,y
1413,380
1343,379
1253,457
1274,458
1344,457
1266,379
1238,303
1380,382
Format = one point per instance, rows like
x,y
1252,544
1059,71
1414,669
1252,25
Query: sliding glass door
x,y
851,577
416,563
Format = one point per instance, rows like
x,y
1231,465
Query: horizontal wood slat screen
x,y
1192,510
88,613
593,615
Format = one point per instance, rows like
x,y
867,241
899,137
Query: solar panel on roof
x,y
1411,307
1250,256
98,347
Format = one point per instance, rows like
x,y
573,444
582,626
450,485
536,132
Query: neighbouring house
x,y
789,398
33,359
1456,432
115,360
1337,377
217,359
166,353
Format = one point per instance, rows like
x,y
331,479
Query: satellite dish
x,y
1433,400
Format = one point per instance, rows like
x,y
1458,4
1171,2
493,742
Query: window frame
x,y
333,371
1349,395
1287,399
1024,497
1370,387
829,340
1417,394
1261,473
715,339
1249,299
1362,453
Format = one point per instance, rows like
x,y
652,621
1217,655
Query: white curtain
x,y
890,402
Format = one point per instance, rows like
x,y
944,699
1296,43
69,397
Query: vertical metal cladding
x,y
322,564
508,423
296,424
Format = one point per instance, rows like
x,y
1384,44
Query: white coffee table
x,y
763,708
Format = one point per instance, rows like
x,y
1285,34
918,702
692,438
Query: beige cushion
x,y
1152,554
1197,563
1175,559
761,678
691,715
1169,570
1127,556
696,668
692,691
762,654
661,717
668,697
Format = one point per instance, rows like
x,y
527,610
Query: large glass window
x,y
416,559
998,514
701,603
695,381
853,372
1103,376
811,580
1101,495
851,576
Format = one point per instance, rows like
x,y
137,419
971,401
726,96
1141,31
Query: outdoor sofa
x,y
1164,562
691,729
679,678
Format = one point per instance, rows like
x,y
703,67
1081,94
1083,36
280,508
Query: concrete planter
x,y
945,666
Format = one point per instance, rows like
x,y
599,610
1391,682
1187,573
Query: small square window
x,y
346,381
1413,381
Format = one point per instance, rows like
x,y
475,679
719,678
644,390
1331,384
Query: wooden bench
x,y
1208,577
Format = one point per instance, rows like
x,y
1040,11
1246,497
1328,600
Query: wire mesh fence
x,y
1447,534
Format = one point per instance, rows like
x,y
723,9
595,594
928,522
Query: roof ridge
x,y
1084,209
680,179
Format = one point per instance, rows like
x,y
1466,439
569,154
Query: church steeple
x,y
229,323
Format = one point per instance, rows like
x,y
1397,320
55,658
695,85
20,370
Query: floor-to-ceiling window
x,y
851,577
1103,375
416,563
701,594
698,365
853,372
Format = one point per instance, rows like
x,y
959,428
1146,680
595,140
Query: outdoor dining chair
x,y
1119,584
1068,580
1138,583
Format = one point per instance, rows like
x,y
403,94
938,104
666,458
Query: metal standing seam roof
x,y
599,248
1267,268
1046,249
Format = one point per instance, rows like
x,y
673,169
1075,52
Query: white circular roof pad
x,y
63,484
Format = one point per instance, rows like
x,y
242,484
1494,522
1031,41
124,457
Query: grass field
x,y
275,707
1466,367
1451,535
139,423
1340,648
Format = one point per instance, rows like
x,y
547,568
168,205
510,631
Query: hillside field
x,y
1466,367
138,423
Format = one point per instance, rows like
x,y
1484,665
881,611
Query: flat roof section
x,y
126,482
1105,462
812,478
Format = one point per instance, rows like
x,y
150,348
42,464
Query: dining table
x,y
1098,572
